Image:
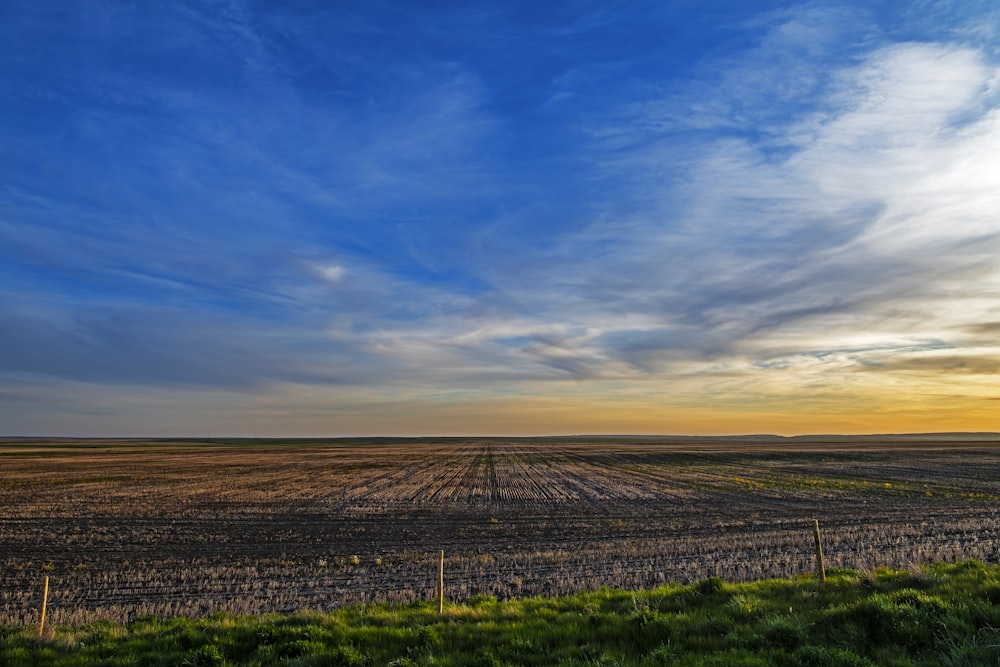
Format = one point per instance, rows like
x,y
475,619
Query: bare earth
x,y
130,528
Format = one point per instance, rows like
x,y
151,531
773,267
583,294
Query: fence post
x,y
45,601
820,568
440,585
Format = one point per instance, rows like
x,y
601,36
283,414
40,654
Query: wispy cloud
x,y
869,236
873,213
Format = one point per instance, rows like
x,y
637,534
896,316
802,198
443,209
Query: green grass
x,y
945,615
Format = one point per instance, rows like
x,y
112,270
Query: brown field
x,y
129,528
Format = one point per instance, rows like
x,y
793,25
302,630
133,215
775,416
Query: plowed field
x,y
125,529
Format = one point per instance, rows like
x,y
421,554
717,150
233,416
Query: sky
x,y
499,218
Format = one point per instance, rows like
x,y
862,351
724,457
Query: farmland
x,y
184,528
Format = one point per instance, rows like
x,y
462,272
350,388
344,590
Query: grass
x,y
944,614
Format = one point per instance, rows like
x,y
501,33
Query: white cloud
x,y
865,227
921,144
909,160
331,273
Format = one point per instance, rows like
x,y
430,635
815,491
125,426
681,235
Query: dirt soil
x,y
131,528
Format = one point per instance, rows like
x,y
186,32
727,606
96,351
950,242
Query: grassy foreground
x,y
941,615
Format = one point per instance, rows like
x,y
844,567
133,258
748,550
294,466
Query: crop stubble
x,y
126,529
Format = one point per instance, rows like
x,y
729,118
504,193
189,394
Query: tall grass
x,y
945,614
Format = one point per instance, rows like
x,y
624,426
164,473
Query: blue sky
x,y
391,218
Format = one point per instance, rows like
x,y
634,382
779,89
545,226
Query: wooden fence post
x,y
820,568
440,586
45,601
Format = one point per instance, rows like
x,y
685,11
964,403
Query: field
x,y
126,529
